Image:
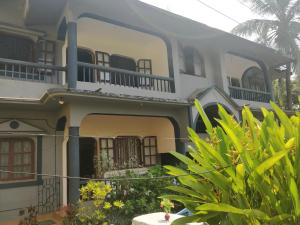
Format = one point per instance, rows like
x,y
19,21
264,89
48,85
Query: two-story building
x,y
92,86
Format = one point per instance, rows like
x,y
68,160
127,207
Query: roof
x,y
108,96
199,93
151,18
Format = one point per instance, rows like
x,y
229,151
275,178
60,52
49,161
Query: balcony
x,y
248,94
29,71
108,76
28,80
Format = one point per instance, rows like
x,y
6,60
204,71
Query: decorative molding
x,y
18,126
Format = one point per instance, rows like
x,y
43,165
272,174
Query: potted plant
x,y
166,205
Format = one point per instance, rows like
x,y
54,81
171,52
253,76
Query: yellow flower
x,y
107,205
118,204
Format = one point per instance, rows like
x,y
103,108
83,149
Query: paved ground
x,y
46,219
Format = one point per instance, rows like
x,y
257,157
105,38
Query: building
x,y
90,86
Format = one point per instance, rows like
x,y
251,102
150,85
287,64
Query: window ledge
x,y
18,184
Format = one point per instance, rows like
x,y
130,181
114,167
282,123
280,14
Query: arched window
x,y
16,47
253,78
193,62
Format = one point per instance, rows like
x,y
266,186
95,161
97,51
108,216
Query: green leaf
x,y
230,209
269,163
295,195
204,117
185,220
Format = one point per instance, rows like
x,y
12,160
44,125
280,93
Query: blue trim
x,y
39,180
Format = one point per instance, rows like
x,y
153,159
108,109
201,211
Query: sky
x,y
195,10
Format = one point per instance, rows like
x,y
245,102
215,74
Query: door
x,y
87,147
85,74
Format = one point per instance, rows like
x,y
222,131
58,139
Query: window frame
x,y
141,66
11,155
193,53
142,147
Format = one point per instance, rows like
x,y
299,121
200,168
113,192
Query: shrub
x,y
139,196
244,173
93,206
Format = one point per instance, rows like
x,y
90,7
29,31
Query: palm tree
x,y
281,30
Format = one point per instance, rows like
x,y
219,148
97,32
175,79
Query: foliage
x,y
166,205
140,196
93,206
244,173
279,88
30,218
280,31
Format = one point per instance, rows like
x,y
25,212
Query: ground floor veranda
x,y
79,139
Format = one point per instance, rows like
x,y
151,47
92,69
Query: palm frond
x,y
256,26
264,7
293,10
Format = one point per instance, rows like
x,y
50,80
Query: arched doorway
x,y
212,113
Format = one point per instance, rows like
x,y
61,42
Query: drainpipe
x,y
72,55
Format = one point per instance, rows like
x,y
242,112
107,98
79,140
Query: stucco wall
x,y
236,66
105,37
113,126
15,198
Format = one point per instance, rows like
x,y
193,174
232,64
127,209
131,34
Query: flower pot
x,y
167,217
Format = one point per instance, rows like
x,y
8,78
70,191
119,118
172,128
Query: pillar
x,y
72,55
73,165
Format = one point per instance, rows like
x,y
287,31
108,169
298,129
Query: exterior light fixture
x,y
61,101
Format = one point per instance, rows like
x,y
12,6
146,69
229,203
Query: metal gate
x,y
49,195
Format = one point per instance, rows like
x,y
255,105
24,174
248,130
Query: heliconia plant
x,y
244,173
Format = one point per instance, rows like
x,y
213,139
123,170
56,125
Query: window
x,y
122,62
234,82
125,63
16,47
128,152
192,62
150,151
46,55
18,155
144,66
46,52
253,78
85,74
102,59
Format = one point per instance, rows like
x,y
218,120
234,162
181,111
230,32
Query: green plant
x,y
245,173
93,207
140,196
166,205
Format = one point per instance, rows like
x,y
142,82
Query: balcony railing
x,y
113,76
29,71
248,94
